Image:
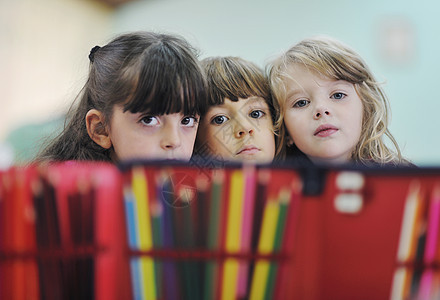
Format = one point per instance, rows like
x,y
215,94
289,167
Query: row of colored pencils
x,y
216,236
418,274
47,232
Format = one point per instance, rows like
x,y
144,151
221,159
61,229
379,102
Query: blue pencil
x,y
133,233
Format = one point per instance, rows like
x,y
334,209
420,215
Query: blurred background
x,y
44,47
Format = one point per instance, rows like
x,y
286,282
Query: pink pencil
x,y
433,227
426,281
426,285
246,229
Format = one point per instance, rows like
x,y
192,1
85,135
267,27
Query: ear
x,y
289,141
96,129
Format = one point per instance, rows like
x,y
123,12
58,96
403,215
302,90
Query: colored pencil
x,y
233,235
140,190
133,239
411,217
400,278
407,242
431,247
52,239
166,191
263,177
432,238
246,233
282,286
283,200
213,243
189,275
156,216
201,229
265,246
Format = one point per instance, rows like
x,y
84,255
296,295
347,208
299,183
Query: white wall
x,y
43,57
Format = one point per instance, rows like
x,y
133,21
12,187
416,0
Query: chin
x,y
255,158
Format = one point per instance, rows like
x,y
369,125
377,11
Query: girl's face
x,y
144,136
239,130
322,116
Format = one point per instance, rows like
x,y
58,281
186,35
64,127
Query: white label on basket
x,y
348,203
350,180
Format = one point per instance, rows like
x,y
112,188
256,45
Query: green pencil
x,y
211,271
283,199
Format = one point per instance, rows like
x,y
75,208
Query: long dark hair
x,y
143,72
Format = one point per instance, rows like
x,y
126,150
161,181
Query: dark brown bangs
x,y
168,81
233,90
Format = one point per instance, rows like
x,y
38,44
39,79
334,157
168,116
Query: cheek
x,y
220,135
359,129
221,141
203,134
268,129
189,138
136,150
292,124
357,120
267,123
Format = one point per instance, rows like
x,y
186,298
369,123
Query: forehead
x,y
299,78
297,73
237,105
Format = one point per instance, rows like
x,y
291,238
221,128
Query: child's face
x,y
322,116
144,136
238,131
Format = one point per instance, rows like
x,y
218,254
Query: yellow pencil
x,y
140,190
265,246
233,235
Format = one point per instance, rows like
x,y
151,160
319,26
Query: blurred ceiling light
x,y
396,40
113,3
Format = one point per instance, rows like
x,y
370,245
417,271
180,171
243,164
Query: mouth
x,y
248,150
325,130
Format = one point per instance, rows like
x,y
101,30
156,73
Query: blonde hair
x,y
336,61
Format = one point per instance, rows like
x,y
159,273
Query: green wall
x,y
257,30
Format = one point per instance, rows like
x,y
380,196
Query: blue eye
x,y
149,120
256,114
218,120
301,103
338,96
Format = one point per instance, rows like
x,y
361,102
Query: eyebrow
x,y
255,99
342,82
291,93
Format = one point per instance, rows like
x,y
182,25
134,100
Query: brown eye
x,y
189,121
149,120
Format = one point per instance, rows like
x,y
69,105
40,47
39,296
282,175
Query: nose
x,y
242,129
170,138
321,111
